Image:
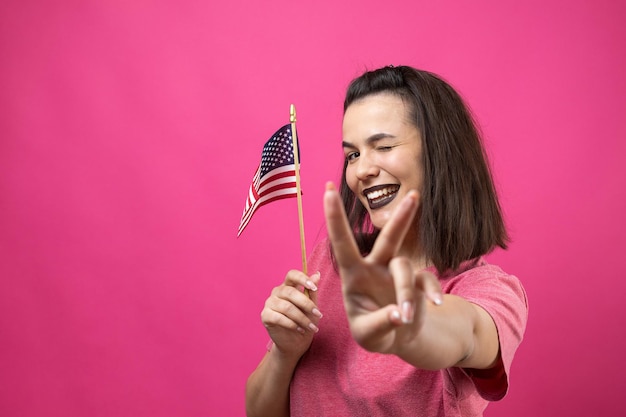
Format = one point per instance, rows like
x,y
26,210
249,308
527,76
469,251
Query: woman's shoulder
x,y
478,277
478,268
321,251
320,258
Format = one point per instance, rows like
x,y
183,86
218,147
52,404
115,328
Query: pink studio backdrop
x,y
129,133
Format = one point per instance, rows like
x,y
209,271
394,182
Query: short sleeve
x,y
503,297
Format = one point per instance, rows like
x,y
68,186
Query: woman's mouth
x,y
380,195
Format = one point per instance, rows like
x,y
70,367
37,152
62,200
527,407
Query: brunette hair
x,y
460,217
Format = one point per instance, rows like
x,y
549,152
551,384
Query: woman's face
x,y
383,149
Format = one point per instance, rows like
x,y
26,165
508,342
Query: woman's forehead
x,y
377,112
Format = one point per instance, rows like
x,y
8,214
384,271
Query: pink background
x,y
129,132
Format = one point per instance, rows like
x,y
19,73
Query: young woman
x,y
404,316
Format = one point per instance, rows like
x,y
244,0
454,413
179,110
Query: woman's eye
x,y
385,148
352,156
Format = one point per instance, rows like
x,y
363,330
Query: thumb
x,y
431,286
315,279
369,330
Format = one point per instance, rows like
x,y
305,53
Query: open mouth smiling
x,y
380,195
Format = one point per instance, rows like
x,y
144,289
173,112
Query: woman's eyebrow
x,y
370,141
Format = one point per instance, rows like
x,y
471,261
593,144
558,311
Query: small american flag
x,y
275,178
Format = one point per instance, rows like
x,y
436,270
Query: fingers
x,y
344,247
393,232
412,288
431,287
312,294
402,272
283,313
296,278
299,280
290,308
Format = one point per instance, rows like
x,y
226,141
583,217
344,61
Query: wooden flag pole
x,y
296,161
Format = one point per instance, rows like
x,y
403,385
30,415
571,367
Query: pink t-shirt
x,y
336,377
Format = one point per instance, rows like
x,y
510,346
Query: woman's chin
x,y
380,217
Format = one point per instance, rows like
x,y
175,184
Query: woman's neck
x,y
412,249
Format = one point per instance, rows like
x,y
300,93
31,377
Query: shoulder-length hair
x,y
460,217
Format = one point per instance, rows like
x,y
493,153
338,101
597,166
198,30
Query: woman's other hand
x,y
290,316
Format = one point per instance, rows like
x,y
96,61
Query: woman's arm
x,y
455,333
291,319
267,389
394,308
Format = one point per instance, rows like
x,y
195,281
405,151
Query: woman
x,y
415,321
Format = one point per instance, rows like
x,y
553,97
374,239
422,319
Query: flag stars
x,y
277,152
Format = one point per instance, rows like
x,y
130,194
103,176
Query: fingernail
x,y
317,313
313,327
395,315
436,299
300,330
407,312
310,285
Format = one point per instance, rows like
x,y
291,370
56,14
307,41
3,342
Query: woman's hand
x,y
290,316
384,296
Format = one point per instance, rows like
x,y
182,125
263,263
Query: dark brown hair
x,y
460,218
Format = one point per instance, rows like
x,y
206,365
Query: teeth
x,y
381,193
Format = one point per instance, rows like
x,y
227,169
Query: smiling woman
x,y
415,321
383,153
460,217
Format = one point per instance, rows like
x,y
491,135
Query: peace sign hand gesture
x,y
384,297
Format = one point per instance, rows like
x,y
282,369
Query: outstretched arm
x,y
393,308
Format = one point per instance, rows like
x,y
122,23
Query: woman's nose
x,y
367,166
